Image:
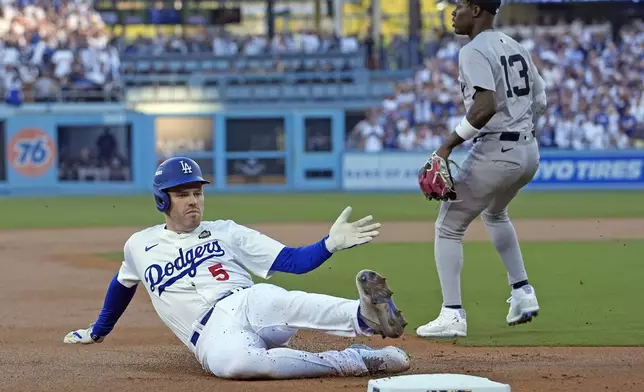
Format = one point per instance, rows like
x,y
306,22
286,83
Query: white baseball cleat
x,y
523,305
386,360
450,323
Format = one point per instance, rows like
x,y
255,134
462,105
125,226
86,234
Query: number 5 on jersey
x,y
508,62
218,272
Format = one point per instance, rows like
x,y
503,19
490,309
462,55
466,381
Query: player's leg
x,y
450,227
272,307
523,301
230,348
504,236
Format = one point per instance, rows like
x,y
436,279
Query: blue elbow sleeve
x,y
301,260
117,299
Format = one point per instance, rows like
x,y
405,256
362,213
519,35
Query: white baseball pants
x,y
247,335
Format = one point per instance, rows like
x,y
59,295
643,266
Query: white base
x,y
436,383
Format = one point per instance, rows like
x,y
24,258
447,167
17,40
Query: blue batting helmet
x,y
173,172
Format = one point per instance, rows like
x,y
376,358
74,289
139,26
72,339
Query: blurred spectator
x,y
594,88
106,146
368,135
46,87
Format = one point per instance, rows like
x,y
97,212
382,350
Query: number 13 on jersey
x,y
509,65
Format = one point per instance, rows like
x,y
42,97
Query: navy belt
x,y
195,335
203,321
504,136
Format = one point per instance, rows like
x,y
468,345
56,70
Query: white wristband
x,y
465,130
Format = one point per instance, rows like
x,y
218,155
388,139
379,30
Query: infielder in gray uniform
x,y
503,93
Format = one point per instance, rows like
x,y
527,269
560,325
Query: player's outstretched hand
x,y
82,336
344,235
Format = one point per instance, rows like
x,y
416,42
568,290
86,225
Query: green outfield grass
x,y
139,210
589,293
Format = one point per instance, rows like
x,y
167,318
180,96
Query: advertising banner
x,y
30,152
608,169
588,170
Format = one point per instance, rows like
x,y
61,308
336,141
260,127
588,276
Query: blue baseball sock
x,y
361,322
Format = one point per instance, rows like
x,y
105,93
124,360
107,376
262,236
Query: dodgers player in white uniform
x,y
503,93
197,274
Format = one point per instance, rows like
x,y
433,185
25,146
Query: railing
x,y
269,88
308,87
229,88
70,95
208,62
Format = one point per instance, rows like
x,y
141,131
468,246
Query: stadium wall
x,y
243,151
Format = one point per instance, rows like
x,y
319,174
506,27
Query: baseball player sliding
x,y
197,274
503,93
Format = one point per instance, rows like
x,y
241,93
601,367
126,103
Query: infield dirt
x,y
53,282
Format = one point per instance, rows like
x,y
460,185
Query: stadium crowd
x,y
61,50
53,48
594,88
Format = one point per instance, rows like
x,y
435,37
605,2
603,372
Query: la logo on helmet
x,y
187,169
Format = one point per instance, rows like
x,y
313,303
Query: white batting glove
x,y
344,235
82,336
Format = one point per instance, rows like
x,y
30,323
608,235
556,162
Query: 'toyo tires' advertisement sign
x,y
397,171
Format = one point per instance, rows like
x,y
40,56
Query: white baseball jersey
x,y
185,273
494,61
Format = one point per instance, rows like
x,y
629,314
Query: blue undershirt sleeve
x,y
117,299
302,259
